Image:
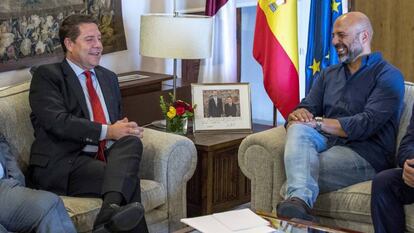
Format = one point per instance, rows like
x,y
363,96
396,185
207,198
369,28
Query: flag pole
x,y
175,61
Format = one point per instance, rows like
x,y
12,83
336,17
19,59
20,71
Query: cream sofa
x,y
168,163
261,160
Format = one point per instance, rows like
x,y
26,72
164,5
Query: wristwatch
x,y
319,121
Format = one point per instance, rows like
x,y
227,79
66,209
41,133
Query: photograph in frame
x,y
222,107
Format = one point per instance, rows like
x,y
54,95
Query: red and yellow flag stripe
x,y
276,49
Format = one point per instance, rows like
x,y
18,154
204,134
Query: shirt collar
x,y
366,60
369,59
372,58
78,71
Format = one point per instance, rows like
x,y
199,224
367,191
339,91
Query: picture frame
x,y
222,107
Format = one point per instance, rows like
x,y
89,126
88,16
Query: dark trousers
x,y
389,195
93,178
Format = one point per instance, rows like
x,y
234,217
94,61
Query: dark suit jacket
x,y
61,122
215,110
230,110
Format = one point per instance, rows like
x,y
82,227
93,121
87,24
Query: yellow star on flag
x,y
315,67
335,5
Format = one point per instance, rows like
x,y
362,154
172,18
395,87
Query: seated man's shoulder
x,y
330,71
388,67
52,68
333,67
109,75
388,74
105,70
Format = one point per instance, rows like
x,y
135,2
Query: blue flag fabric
x,y
321,53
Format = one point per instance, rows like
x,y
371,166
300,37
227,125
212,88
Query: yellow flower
x,y
172,112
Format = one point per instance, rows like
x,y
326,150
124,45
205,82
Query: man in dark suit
x,y
392,189
24,209
215,105
83,147
230,109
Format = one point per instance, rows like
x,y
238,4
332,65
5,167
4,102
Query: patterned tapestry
x,y
29,29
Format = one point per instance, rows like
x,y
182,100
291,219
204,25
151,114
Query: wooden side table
x,y
141,86
141,98
218,183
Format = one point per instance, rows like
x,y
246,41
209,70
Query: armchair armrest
x,y
261,160
171,160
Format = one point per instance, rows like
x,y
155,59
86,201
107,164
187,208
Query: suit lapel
x,y
76,87
105,84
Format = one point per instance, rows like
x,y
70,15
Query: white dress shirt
x,y
82,79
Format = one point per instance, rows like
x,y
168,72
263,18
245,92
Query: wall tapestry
x,y
29,29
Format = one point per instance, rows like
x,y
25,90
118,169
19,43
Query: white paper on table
x,y
263,229
237,220
206,224
131,77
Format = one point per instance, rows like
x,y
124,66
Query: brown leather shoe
x,y
294,207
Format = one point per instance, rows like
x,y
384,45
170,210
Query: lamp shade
x,y
182,36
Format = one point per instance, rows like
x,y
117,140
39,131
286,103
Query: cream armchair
x,y
261,160
168,163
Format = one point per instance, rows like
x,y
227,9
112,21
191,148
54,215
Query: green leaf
x,y
163,105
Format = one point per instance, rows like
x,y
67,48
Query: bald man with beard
x,y
344,131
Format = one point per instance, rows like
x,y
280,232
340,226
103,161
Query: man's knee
x,y
132,142
300,131
299,127
43,201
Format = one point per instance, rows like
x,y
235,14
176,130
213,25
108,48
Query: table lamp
x,y
176,36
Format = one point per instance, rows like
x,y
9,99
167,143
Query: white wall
x,y
303,25
251,71
130,59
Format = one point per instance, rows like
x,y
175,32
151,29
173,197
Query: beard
x,y
352,51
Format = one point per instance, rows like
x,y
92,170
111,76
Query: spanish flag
x,y
276,49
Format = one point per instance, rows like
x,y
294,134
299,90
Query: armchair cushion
x,y
350,203
152,194
82,211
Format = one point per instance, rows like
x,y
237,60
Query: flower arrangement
x,y
176,114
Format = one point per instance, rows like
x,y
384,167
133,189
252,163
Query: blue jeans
x,y
313,168
29,210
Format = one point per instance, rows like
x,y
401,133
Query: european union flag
x,y
321,53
